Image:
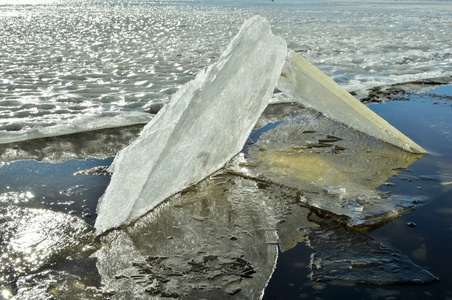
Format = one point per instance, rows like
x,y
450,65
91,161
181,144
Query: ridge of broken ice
x,y
178,147
210,118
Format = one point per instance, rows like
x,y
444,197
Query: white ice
x,y
83,58
206,123
81,123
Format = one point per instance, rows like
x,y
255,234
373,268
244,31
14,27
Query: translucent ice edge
x,y
82,123
207,122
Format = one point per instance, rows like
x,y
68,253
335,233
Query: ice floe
x,y
207,122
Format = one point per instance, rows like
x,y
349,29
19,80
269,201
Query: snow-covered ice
x,y
207,122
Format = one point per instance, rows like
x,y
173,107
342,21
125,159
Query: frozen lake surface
x,y
77,66
70,66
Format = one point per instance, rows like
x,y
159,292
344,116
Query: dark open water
x,y
427,119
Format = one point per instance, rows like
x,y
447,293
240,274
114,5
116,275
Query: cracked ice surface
x,y
218,240
187,129
335,168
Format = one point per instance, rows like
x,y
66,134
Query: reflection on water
x,y
41,227
100,144
298,182
35,238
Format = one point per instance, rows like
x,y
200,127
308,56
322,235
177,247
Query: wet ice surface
x,y
78,61
77,65
341,168
36,238
221,237
215,240
55,285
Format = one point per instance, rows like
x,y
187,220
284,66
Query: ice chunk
x,y
313,88
359,259
85,123
205,125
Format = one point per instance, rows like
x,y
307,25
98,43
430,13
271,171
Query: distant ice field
x,y
73,66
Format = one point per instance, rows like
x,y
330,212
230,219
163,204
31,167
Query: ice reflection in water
x,y
218,238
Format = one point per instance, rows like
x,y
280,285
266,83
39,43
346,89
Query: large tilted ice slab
x,y
314,89
204,126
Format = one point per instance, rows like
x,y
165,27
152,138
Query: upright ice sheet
x,y
206,124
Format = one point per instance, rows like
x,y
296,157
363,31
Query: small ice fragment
x,y
335,190
356,207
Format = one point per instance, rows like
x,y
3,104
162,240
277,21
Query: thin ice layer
x,y
217,241
81,124
346,256
335,168
205,125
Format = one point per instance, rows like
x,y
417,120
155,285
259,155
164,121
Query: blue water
x,y
429,243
